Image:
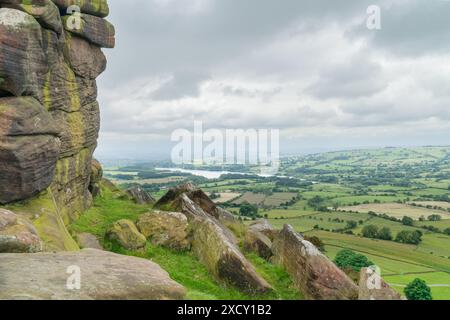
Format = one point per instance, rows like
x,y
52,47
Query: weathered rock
x,y
88,241
44,11
140,196
223,259
200,198
79,129
257,242
47,218
17,235
185,205
126,234
312,272
212,242
94,7
373,287
29,148
23,63
96,30
85,59
25,116
96,178
168,229
63,89
70,186
103,275
263,226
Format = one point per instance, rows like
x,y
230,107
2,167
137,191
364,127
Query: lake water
x,y
205,173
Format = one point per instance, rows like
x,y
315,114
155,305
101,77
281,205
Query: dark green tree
x,y
409,237
385,234
316,202
407,221
248,210
370,231
348,259
418,290
352,224
435,217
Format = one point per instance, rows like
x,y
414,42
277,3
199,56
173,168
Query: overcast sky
x,y
310,68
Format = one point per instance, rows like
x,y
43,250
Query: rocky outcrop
x,y
223,258
103,276
167,229
95,178
49,116
196,195
212,242
263,226
29,148
312,272
373,287
125,233
88,241
17,235
259,243
140,196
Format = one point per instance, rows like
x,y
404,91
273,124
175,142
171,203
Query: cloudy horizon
x,y
309,68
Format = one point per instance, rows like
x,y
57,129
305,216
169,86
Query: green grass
x,y
107,209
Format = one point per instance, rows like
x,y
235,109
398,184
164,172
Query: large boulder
x,y
140,196
259,243
103,276
212,242
263,226
85,59
88,241
223,258
17,235
96,178
313,273
96,30
23,63
373,287
172,199
168,229
125,233
29,148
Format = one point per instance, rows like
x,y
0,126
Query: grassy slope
x,y
182,267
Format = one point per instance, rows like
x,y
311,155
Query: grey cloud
x,y
354,78
181,85
411,28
